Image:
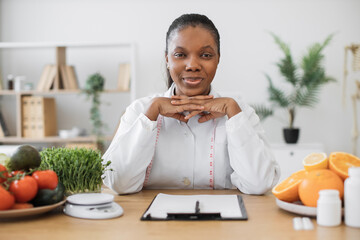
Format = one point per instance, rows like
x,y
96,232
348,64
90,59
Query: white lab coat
x,y
242,157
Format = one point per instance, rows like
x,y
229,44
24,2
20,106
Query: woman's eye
x,y
206,55
178,55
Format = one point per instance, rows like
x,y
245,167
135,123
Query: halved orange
x,y
340,162
287,190
315,161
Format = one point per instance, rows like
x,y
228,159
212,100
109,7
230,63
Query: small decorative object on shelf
x,y
19,82
305,79
10,81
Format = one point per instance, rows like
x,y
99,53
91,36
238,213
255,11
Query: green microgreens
x,y
79,169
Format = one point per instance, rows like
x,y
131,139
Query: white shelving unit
x,y
18,46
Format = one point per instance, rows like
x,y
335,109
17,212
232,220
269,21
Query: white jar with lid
x,y
328,212
352,198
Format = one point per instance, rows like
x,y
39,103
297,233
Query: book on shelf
x,y
64,75
44,75
4,130
47,78
124,77
50,81
71,76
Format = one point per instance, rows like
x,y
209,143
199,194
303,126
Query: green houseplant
x,y
305,80
93,87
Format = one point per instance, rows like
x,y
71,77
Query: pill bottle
x,y
328,212
352,198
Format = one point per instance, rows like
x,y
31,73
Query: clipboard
x,y
167,207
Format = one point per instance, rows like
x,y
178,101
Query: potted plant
x,y
94,85
305,80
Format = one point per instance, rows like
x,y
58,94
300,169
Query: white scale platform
x,y
92,206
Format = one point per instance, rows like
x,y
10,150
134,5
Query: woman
x,y
189,137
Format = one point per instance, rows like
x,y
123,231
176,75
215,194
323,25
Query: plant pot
x,y
291,135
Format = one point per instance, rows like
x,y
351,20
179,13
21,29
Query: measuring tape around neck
x,y
211,156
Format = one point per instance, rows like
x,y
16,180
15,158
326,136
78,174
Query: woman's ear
x,y
167,61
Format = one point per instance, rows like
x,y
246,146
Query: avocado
x,y
47,197
24,158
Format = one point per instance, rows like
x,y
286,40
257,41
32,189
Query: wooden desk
x,y
266,221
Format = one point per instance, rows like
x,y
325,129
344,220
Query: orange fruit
x,y
340,162
318,180
315,161
287,190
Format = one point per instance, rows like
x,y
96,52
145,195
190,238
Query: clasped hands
x,y
206,106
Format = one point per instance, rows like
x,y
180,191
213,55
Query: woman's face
x,y
192,60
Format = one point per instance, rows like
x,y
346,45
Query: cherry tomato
x,y
24,189
46,179
7,200
4,173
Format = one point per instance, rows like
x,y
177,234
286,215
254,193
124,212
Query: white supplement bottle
x,y
352,198
328,208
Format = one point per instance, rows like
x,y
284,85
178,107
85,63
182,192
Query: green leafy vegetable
x,y
79,169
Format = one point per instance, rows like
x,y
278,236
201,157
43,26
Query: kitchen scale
x,y
92,206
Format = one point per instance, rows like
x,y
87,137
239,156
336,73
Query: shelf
x,y
53,92
54,139
60,49
63,44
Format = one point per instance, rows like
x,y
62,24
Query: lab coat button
x,y
186,181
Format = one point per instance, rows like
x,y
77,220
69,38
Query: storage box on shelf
x,y
58,80
290,156
38,117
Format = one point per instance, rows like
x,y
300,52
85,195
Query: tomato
x,y
3,173
7,200
24,189
46,179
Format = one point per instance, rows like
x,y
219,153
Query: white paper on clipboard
x,y
227,205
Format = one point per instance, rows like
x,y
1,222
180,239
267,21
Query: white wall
x,y
247,50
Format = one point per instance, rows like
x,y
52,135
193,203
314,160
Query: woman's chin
x,y
195,92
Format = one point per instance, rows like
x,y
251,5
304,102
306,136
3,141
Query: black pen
x,y
197,207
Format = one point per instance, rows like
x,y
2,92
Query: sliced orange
x,y
287,190
315,161
340,162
